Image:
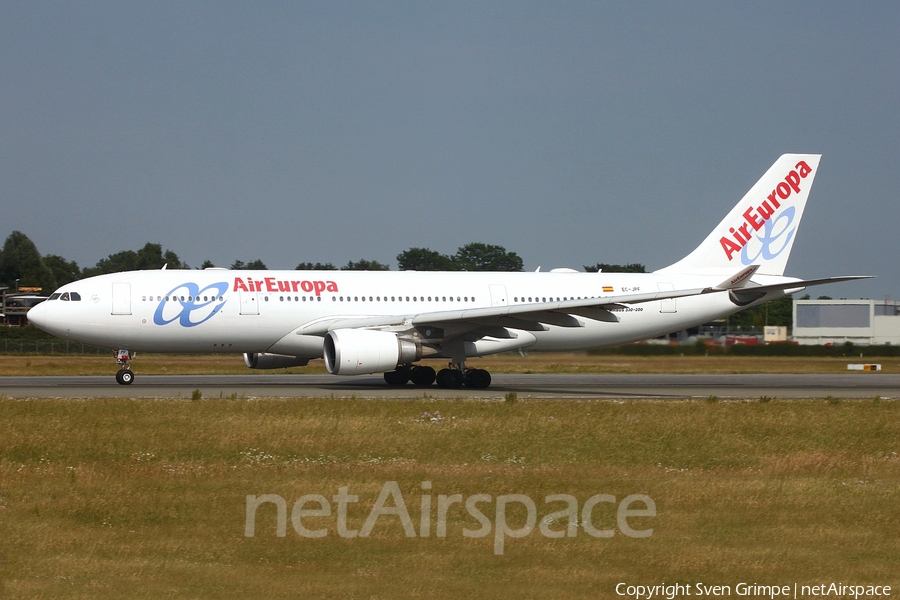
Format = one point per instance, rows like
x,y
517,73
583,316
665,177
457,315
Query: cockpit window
x,y
66,296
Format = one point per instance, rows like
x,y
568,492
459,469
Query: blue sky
x,y
569,132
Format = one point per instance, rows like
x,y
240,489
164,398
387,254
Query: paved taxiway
x,y
855,385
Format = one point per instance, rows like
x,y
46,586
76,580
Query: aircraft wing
x,y
530,317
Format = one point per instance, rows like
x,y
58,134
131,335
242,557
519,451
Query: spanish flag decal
x,y
607,288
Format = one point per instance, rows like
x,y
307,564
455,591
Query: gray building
x,y
864,322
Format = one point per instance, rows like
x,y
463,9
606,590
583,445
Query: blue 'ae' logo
x,y
776,237
187,304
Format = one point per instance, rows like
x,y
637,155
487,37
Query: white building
x,y
863,322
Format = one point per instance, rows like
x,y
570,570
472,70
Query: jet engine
x,y
360,351
262,360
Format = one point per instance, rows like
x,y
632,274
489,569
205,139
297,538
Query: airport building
x,y
863,322
15,306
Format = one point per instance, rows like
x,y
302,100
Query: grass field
x,y
147,499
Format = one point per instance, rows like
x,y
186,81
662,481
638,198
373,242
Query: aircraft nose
x,y
37,315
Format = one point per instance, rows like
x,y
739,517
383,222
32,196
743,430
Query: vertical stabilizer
x,y
761,228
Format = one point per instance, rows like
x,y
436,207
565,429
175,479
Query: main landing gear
x,y
453,377
124,376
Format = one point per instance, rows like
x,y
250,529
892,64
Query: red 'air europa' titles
x,y
757,217
271,284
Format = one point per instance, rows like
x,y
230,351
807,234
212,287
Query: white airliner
x,y
374,322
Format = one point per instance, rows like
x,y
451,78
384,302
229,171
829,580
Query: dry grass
x,y
165,364
123,498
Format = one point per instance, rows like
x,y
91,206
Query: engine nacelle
x,y
360,351
262,360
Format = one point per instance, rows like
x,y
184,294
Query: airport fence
x,y
777,349
23,346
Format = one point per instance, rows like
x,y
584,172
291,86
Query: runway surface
x,y
851,385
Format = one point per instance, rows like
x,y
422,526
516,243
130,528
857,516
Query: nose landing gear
x,y
124,375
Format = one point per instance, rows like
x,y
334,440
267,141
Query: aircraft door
x,y
498,295
121,298
667,305
249,302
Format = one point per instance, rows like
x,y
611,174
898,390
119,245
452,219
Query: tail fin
x,y
761,228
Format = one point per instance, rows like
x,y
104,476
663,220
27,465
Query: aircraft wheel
x,y
449,379
124,377
478,379
397,378
422,376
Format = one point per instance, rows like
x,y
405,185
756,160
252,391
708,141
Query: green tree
x,y
365,265
776,312
606,268
171,260
487,257
308,266
148,258
423,259
779,312
253,265
64,271
20,260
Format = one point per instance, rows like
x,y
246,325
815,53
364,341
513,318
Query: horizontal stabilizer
x,y
799,284
748,294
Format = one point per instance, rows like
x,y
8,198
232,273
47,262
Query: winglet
x,y
739,280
